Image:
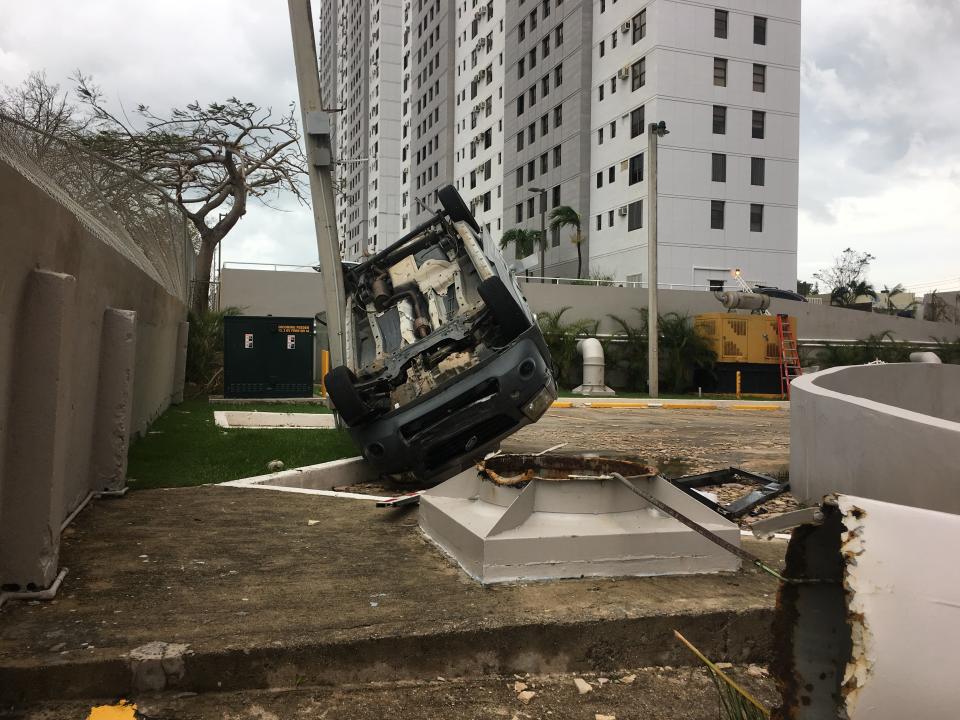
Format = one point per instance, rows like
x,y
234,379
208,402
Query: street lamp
x,y
543,228
657,131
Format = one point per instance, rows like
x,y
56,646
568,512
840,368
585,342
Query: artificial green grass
x,y
184,447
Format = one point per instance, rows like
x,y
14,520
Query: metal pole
x,y
653,336
543,236
316,138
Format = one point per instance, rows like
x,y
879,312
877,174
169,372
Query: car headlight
x,y
539,403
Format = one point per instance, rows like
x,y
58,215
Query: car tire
x,y
339,383
504,308
455,207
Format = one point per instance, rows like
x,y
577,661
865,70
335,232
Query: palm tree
x,y
846,295
565,216
889,293
524,242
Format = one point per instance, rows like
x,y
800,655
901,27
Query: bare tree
x,y
208,160
42,105
847,278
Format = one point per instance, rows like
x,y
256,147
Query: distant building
x,y
726,81
507,99
363,54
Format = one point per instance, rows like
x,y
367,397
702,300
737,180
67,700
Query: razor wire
x,y
118,207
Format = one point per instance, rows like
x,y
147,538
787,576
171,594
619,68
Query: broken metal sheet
x,y
769,488
769,527
879,645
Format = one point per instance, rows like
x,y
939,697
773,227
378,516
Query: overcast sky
x,y
880,113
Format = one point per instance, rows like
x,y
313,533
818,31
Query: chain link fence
x,y
121,209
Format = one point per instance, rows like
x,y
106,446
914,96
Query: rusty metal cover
x,y
517,469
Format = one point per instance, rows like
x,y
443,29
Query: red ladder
x,y
789,355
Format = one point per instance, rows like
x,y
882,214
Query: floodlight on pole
x,y
656,131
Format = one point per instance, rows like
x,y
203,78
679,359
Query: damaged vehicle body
x,y
443,358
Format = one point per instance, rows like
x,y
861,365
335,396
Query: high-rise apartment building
x,y
478,137
364,55
725,78
526,105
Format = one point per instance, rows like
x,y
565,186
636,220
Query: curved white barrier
x,y
885,432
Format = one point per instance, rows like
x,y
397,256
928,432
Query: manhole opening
x,y
511,469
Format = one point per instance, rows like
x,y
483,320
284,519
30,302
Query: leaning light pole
x,y
656,131
316,138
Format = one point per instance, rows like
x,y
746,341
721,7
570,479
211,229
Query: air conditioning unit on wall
x,y
626,27
622,211
624,72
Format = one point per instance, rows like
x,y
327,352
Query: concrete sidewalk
x,y
263,598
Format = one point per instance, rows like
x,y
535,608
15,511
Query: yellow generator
x,y
749,344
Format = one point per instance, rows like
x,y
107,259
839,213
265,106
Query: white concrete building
x,y
478,137
725,78
367,63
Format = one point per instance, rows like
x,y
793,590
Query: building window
x,y
600,136
757,171
719,120
719,167
716,214
558,75
558,35
603,48
555,236
545,47
759,31
531,208
519,141
611,174
521,67
543,163
599,222
639,26
719,23
636,169
520,213
636,122
519,176
544,124
557,116
635,215
638,74
531,132
759,123
556,195
759,78
720,72
556,156
522,29
756,218
609,218
613,129
531,171
600,90
520,106
600,179
545,85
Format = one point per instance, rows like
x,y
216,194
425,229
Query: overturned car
x,y
443,357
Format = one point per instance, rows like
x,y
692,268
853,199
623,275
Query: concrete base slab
x,y
275,589
549,529
269,420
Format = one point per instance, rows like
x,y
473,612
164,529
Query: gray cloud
x,y
880,140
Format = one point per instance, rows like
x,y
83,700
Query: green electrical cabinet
x,y
267,356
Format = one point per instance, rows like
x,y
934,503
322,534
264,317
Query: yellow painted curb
x,y
755,407
688,406
616,405
557,404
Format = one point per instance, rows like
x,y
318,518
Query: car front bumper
x,y
445,433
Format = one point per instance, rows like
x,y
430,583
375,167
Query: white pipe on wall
x,y
594,368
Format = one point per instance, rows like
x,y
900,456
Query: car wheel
x,y
455,207
339,383
504,307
